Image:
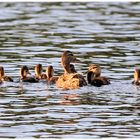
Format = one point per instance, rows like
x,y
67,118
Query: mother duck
x,y
70,79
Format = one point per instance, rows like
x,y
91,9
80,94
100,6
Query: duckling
x,y
38,72
94,76
3,77
23,75
136,77
70,80
50,78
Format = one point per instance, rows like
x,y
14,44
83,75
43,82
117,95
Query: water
x,y
102,33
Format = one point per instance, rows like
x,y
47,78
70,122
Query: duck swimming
x,y
38,72
94,76
24,71
136,77
70,80
3,77
50,78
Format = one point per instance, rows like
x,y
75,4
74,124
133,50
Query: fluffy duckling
x,y
3,77
38,72
136,77
24,71
50,78
94,76
70,80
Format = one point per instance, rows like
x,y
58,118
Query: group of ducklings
x,y
70,79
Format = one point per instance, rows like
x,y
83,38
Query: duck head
x,y
66,59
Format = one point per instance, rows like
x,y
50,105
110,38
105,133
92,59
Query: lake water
x,y
102,33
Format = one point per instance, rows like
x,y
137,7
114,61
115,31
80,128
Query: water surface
x,y
102,33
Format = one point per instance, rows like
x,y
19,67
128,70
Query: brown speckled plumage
x,y
70,79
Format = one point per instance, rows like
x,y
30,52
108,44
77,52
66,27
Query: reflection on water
x,y
103,33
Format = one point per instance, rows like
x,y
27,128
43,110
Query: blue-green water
x,y
102,33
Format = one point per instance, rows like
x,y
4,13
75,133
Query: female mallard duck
x,y
3,77
70,80
94,76
24,71
38,72
136,77
50,78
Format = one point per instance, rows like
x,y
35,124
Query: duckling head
x,y
38,70
49,71
96,69
137,74
24,71
1,71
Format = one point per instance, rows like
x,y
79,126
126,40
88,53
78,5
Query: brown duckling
x,y
70,80
24,71
38,72
50,78
136,77
94,76
3,77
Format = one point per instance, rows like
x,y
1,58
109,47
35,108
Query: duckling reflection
x,y
136,77
70,99
3,77
94,76
38,72
24,71
70,80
